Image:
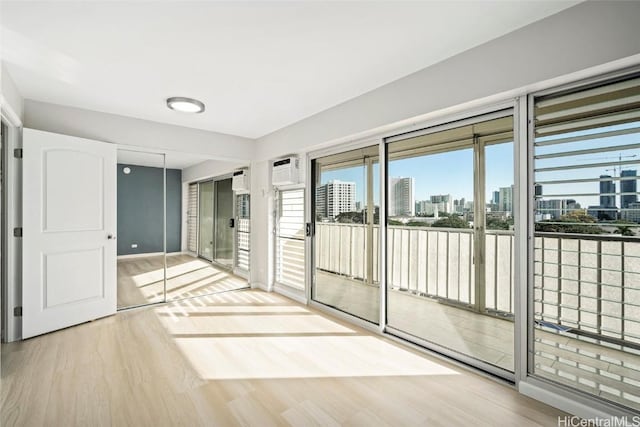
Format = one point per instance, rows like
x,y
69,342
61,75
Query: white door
x,y
69,229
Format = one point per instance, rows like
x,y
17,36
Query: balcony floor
x,y
483,337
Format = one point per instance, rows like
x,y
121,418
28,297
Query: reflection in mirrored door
x,y
224,223
212,221
205,220
141,199
450,263
345,243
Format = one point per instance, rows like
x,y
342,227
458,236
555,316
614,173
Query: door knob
x,y
111,237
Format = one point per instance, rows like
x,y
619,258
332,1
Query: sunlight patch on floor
x,y
157,275
303,357
252,335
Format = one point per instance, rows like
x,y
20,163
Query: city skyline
x,y
428,171
452,172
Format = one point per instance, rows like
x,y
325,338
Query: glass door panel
x,y
141,228
449,258
205,222
346,216
224,239
585,317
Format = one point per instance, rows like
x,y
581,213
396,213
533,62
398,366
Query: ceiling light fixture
x,y
186,105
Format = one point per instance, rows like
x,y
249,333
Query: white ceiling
x,y
258,66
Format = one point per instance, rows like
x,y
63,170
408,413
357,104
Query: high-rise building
x,y
505,199
628,184
495,200
334,198
607,192
425,207
444,200
632,212
607,209
458,206
401,197
555,208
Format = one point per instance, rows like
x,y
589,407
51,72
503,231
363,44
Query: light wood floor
x,y
242,358
141,279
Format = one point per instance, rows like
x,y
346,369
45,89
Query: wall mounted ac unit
x,y
240,181
285,171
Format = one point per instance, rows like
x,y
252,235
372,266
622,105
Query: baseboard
x,y
593,411
259,285
148,254
241,273
297,295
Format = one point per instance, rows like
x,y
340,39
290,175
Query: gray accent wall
x,y
140,213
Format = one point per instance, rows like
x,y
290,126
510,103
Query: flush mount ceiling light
x,y
186,105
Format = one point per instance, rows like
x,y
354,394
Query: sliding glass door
x,y
585,263
216,222
346,223
450,194
224,223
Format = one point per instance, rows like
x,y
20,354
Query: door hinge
x,y
17,311
17,153
17,232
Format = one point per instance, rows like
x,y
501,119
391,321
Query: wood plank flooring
x,y
242,358
141,279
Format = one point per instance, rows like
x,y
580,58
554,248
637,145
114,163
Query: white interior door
x,y
69,229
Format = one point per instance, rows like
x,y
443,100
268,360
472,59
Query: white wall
x,y
261,226
10,95
585,40
136,132
583,36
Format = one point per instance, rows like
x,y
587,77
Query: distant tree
x,y
498,224
349,218
624,228
578,222
417,224
452,221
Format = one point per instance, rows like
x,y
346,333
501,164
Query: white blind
x,y
290,238
243,231
192,218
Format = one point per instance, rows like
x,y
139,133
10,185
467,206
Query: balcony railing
x,y
587,283
433,262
